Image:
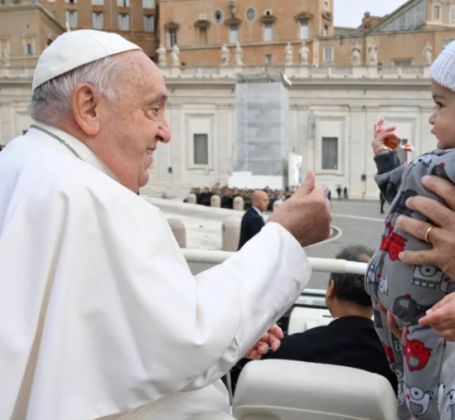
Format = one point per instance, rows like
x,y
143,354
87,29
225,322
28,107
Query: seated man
x,y
350,339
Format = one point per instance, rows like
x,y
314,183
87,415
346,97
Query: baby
x,y
425,364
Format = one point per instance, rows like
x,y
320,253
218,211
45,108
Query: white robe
x,y
99,311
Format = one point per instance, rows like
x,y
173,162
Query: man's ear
x,y
85,107
330,293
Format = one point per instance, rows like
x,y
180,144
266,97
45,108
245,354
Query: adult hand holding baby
x,y
442,236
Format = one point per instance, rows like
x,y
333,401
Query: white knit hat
x,y
76,48
443,69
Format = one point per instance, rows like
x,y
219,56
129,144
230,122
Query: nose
x,y
432,118
164,132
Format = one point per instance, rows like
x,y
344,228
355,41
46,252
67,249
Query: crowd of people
x,y
227,195
101,316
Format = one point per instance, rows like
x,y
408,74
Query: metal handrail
x,y
322,265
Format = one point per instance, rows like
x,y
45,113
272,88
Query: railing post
x,y
192,199
231,234
179,231
239,203
215,201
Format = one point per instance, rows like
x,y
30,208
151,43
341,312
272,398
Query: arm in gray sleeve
x,y
390,172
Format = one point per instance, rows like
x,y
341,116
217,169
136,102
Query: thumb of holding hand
x,y
307,186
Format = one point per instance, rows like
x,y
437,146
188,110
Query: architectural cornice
x,y
233,21
303,16
202,24
170,26
268,19
327,16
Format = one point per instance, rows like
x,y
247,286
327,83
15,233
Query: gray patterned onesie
x,y
425,365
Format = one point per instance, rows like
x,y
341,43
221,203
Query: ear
x,y
330,293
86,109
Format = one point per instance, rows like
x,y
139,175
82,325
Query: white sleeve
x,y
270,272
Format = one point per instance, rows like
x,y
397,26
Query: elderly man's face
x,y
133,125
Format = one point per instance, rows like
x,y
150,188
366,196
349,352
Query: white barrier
x,y
314,299
323,265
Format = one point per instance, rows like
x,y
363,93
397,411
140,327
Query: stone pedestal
x,y
215,201
373,72
231,234
179,231
239,204
192,199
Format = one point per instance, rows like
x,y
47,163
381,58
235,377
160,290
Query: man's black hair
x,y
350,287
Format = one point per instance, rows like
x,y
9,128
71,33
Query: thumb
x,y
447,299
307,186
436,314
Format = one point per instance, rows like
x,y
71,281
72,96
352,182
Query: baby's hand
x,y
384,135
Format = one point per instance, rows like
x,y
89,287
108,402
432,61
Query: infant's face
x,y
443,117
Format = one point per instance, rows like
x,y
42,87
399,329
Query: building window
x,y
452,13
148,4
4,45
98,20
268,59
201,149
97,2
326,31
402,154
71,1
436,12
203,36
149,23
268,32
123,3
233,34
326,5
328,54
124,22
172,37
71,18
28,46
304,27
402,63
330,153
250,14
218,16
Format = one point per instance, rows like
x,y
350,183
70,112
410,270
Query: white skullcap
x,y
443,69
76,48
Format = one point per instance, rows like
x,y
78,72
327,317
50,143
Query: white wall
x,y
346,109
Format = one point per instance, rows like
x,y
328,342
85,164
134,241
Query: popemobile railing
x,y
309,297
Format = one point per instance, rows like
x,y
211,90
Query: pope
x,y
100,314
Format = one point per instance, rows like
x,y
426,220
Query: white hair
x,y
51,102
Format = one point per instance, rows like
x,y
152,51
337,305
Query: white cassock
x,y
100,314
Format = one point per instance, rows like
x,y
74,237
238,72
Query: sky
x,y
350,12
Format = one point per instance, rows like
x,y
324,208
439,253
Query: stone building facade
x,y
265,27
331,104
329,123
25,22
262,27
